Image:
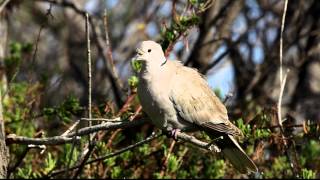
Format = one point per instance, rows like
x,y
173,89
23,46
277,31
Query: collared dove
x,y
176,97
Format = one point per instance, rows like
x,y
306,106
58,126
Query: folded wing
x,y
195,102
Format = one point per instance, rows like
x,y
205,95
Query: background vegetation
x,y
44,85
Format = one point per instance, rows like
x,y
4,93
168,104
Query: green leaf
x,y
308,174
193,2
27,47
133,81
116,172
173,163
216,169
246,129
145,149
15,47
262,133
50,163
49,111
136,66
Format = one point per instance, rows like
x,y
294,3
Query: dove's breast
x,y
153,103
153,93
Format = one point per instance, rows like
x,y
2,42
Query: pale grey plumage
x,y
178,97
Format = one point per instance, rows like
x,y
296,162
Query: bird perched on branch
x,y
176,97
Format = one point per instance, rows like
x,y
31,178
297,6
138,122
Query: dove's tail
x,y
236,155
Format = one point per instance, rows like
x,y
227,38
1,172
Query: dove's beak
x,y
139,55
139,52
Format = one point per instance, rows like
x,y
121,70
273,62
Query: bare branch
x,y
89,69
14,139
107,126
282,81
56,140
195,141
281,36
118,119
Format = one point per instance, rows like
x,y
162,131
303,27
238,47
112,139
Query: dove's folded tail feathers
x,y
235,154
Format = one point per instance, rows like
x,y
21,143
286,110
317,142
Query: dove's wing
x,y
195,102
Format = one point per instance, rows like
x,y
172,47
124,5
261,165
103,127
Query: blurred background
x,y
235,44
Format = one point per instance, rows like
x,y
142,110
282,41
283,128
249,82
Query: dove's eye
x,y
149,50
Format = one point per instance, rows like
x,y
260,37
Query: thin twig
x,y
89,70
124,108
283,83
282,80
227,98
281,35
39,33
136,113
152,137
206,6
118,119
84,161
72,148
165,162
18,162
109,49
127,104
174,12
3,5
70,128
281,57
20,159
216,61
89,146
107,126
111,138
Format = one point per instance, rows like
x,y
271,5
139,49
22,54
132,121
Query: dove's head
x,y
150,53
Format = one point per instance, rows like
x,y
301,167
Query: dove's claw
x,y
174,132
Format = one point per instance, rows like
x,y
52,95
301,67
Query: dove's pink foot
x,y
174,132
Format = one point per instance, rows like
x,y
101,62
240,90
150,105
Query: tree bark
x,y
4,152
